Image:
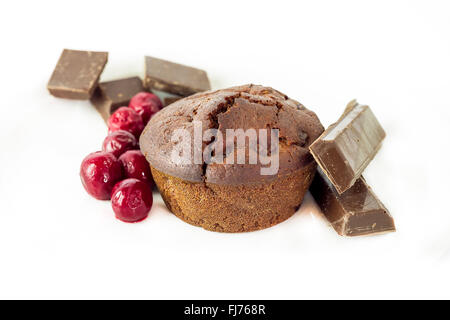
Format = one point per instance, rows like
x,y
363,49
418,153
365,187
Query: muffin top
x,y
243,107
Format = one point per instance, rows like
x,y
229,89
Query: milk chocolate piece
x,y
174,78
355,212
345,149
112,95
170,100
76,74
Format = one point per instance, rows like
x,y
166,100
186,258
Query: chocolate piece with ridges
x,y
345,149
111,95
76,74
174,78
355,212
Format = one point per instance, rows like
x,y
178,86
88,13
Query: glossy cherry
x,y
131,200
136,166
146,104
99,172
119,141
126,119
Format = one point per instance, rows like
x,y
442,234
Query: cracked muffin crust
x,y
233,197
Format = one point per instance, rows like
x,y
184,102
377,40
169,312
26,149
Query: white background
x,y
57,242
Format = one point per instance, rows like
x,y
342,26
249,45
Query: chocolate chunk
x,y
345,149
76,74
174,78
355,212
112,95
170,100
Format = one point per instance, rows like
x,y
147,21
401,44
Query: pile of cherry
x,y
120,172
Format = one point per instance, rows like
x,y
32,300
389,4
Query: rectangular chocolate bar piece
x,y
174,78
76,74
170,100
112,95
345,149
355,212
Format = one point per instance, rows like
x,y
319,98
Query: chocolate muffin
x,y
230,192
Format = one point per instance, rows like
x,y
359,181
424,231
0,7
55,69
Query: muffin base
x,y
235,208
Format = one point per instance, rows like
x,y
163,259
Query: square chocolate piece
x,y
345,149
76,74
355,212
174,78
111,95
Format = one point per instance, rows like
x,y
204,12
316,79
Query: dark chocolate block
x,y
112,95
170,100
345,149
174,78
76,74
355,212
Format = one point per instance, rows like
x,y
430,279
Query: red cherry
x,y
136,166
99,172
119,141
132,200
146,104
126,119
